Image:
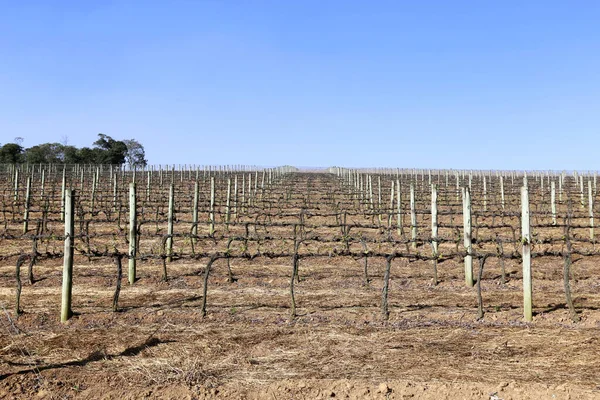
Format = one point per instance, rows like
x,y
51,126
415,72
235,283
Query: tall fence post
x,y
581,192
195,211
457,186
399,207
62,196
560,186
212,206
434,220
526,240
27,201
467,236
434,231
235,197
484,194
43,184
379,198
115,193
391,209
553,201
228,203
132,233
67,284
591,209
413,216
170,222
502,191
16,187
148,181
94,184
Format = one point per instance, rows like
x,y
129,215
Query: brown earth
x,y
339,346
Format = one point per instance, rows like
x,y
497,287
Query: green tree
x,y
109,151
11,153
47,153
105,150
85,155
136,155
71,155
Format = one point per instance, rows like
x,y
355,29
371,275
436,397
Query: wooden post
x,y
235,197
560,185
249,191
243,194
148,180
361,189
434,231
195,210
379,198
170,222
132,233
255,183
115,194
62,196
526,240
434,220
591,209
228,203
457,186
27,201
413,216
391,209
371,192
467,236
502,191
92,200
16,182
262,185
484,194
82,175
212,206
399,207
553,201
42,190
581,191
67,284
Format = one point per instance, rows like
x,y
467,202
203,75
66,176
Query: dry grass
x,y
247,341
168,366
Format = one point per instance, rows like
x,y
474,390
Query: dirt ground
x,y
159,345
432,347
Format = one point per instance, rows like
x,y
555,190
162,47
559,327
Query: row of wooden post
x,y
468,261
68,217
467,225
590,200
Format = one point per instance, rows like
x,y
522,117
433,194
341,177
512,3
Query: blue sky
x,y
432,84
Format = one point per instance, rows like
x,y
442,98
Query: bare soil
x,y
432,347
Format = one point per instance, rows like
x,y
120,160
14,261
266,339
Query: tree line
x,y
105,150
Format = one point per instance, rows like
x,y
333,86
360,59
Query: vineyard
x,y
245,281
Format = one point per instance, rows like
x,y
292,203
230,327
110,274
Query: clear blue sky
x,y
439,84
